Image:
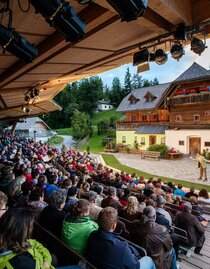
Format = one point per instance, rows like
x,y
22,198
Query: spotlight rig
x,y
60,15
14,43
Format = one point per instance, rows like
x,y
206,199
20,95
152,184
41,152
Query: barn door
x,y
194,145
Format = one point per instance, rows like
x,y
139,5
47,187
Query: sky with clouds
x,y
166,72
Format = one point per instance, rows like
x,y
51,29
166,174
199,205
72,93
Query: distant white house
x,y
31,127
104,105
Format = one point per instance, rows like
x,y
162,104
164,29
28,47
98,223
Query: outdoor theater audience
x,y
17,249
78,226
52,216
3,203
155,239
32,178
106,250
188,222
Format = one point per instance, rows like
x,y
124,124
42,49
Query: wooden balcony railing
x,y
192,98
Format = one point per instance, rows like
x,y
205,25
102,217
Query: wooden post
x,y
13,127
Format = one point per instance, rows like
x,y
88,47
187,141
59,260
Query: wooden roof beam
x,y
48,47
201,10
183,9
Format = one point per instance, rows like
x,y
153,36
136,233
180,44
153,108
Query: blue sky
x,y
166,72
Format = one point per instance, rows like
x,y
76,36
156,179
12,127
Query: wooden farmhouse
x,y
176,114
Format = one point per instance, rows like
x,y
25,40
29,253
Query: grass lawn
x,y
113,162
95,143
65,131
55,140
106,115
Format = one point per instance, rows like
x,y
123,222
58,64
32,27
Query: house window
x,y
105,106
143,140
162,140
196,117
155,117
144,117
123,139
135,139
181,143
207,144
179,118
133,118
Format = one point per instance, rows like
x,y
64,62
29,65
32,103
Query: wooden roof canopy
x,y
108,43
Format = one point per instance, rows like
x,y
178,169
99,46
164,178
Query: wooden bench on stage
x,y
150,154
175,155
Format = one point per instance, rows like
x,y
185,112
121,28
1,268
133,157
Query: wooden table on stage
x,y
175,155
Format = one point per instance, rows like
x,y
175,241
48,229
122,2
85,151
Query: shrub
x,y
163,149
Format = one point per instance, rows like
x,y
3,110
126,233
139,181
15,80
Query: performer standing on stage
x,y
201,161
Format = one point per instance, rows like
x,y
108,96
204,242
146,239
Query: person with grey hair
x,y
195,231
155,239
160,201
94,208
53,215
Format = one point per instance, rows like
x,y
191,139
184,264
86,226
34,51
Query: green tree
x,y
103,126
89,92
127,82
137,81
155,81
80,125
106,92
116,93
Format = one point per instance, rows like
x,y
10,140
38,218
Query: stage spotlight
x,y
11,41
160,56
180,33
26,109
129,10
27,98
197,45
141,57
36,92
62,17
177,51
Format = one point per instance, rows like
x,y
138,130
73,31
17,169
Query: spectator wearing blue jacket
x,y
179,191
106,250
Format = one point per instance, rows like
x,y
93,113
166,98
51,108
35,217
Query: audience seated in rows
x,y
106,250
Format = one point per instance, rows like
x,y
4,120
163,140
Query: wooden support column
x,y
13,127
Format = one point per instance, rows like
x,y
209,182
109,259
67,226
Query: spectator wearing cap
x,y
106,250
155,239
188,222
94,208
53,215
71,197
78,226
111,200
160,201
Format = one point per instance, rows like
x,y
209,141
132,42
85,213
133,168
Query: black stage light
x,y
26,109
160,56
60,15
11,41
140,57
180,33
197,45
129,10
27,98
177,51
36,92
